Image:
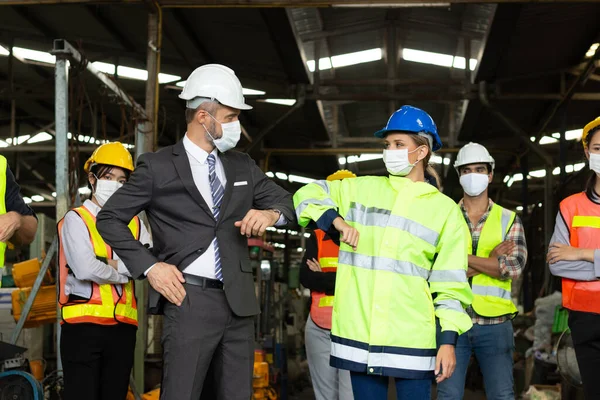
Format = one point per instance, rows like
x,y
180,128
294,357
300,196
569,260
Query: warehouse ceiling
x,y
521,68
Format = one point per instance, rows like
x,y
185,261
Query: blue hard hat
x,y
413,120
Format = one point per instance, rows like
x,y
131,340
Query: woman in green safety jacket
x,y
402,263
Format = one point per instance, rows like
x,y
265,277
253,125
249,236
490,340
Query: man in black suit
x,y
202,201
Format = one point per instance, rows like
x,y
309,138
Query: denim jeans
x,y
493,346
375,387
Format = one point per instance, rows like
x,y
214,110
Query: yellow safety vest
x,y
491,296
413,246
106,306
2,206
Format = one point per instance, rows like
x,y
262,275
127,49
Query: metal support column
x,y
145,142
61,78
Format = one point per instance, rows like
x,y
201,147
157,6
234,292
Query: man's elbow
x,y
26,233
103,222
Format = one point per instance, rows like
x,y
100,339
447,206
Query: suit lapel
x,y
182,165
229,169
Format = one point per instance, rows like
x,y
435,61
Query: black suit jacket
x,y
183,225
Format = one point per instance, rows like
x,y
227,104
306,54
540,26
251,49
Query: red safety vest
x,y
107,305
582,217
322,305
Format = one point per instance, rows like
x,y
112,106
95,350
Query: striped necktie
x,y
217,192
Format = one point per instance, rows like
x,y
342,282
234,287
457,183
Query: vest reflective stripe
x,y
106,305
580,221
321,305
492,297
384,317
582,217
326,301
382,264
3,165
373,216
491,291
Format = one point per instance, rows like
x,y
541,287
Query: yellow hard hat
x,y
113,153
586,130
341,174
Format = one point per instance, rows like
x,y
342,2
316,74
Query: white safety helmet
x,y
214,82
473,153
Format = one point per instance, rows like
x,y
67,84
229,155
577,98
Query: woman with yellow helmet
x,y
574,255
97,299
402,263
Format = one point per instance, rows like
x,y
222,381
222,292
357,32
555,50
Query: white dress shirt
x,y
82,261
205,264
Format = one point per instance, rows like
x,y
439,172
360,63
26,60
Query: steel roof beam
x,y
99,15
281,3
192,37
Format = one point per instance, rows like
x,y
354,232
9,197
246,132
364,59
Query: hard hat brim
x,y
384,132
243,107
193,103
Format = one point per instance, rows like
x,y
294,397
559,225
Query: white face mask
x,y
396,161
230,137
105,189
474,184
595,162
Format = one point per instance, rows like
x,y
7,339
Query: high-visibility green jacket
x,y
492,297
409,268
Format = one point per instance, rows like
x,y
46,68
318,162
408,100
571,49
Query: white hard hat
x,y
214,82
473,153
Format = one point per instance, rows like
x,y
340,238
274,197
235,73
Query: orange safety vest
x,y
582,217
106,305
322,305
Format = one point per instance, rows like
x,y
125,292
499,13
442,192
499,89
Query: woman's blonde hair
x,y
429,170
